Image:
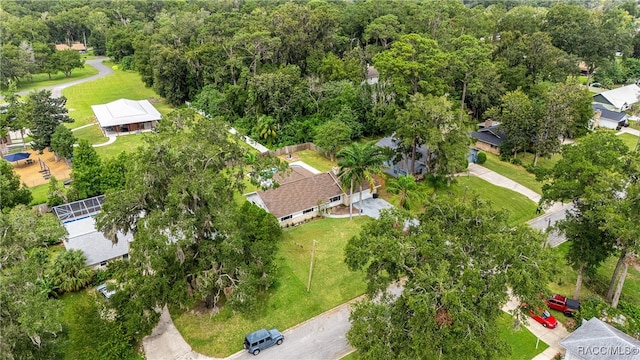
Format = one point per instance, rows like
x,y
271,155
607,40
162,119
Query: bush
x,y
69,271
516,161
481,158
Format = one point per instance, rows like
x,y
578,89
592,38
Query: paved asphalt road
x,y
556,213
320,338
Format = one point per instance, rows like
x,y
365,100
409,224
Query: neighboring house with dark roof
x,y
606,118
597,340
489,138
303,195
619,99
126,116
395,167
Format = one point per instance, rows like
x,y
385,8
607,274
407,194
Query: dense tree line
x,y
291,72
279,70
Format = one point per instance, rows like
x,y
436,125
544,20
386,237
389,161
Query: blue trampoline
x,y
17,156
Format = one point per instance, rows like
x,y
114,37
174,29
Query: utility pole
x,y
313,254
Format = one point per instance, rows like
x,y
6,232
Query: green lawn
x,y
566,279
316,160
39,194
515,172
42,80
92,134
120,84
522,342
126,143
629,139
520,208
288,303
84,327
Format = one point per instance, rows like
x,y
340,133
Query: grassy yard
x,y
520,208
288,303
598,284
39,194
126,143
629,139
517,173
42,80
83,327
522,342
316,160
92,134
120,84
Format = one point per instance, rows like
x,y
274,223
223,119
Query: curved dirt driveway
x,y
56,90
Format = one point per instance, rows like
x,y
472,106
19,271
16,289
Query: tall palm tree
x,y
407,187
358,163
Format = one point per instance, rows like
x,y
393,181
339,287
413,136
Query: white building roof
x,y
124,111
596,340
96,248
625,95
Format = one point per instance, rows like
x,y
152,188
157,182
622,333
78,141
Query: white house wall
x,y
366,194
608,124
300,216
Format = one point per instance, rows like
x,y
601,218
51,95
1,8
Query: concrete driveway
x,y
372,207
551,337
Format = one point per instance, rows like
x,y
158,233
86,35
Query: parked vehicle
x,y
262,339
561,303
103,290
543,316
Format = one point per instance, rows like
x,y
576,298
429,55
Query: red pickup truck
x,y
564,304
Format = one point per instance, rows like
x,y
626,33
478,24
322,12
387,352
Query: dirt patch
x,y
341,210
290,158
30,172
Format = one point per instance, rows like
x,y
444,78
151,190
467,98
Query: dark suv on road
x,y
262,339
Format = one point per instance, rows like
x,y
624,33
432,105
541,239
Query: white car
x,y
103,289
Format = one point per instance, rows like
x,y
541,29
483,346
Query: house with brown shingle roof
x,y
302,195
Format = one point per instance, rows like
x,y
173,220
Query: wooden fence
x,y
293,148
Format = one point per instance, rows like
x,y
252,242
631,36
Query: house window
x,y
307,211
103,263
286,217
335,198
125,256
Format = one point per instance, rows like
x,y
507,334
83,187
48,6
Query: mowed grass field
x,y
39,81
288,303
119,85
629,139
